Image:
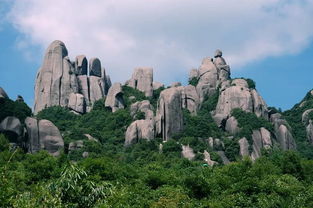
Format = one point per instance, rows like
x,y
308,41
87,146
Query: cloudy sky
x,y
270,41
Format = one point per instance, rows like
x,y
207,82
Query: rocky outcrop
x,y
43,135
309,132
305,116
176,84
282,132
144,107
157,85
142,80
140,129
207,158
238,95
114,99
223,157
58,78
261,139
169,113
232,126
3,94
187,152
12,124
223,68
194,73
190,98
244,147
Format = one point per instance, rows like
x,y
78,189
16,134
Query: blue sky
x,y
269,41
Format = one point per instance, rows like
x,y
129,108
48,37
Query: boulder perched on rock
x,y
238,95
95,67
142,80
114,99
140,129
223,68
190,98
3,94
77,103
187,152
81,65
169,113
144,107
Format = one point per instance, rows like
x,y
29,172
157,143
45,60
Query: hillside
x,y
93,143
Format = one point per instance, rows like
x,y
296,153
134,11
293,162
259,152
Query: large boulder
x,y
144,107
96,88
142,80
190,98
244,147
232,126
157,85
169,113
223,68
12,124
3,94
309,132
95,67
261,139
140,129
305,116
81,65
193,74
33,140
114,99
77,103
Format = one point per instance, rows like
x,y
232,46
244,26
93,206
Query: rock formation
x,y
261,139
190,98
157,85
12,124
144,107
207,158
187,152
58,78
244,147
169,113
142,80
114,99
232,125
309,132
3,94
140,129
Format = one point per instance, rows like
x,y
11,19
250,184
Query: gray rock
x,y
3,94
187,152
157,85
96,88
12,124
19,98
259,105
81,65
223,68
211,142
75,145
261,139
114,99
50,137
142,80
77,103
95,67
33,139
309,132
207,158
190,98
169,113
244,147
142,106
208,79
140,129
90,138
223,157
305,116
85,154
83,84
232,125
175,84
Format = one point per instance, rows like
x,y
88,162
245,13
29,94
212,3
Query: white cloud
x,y
172,36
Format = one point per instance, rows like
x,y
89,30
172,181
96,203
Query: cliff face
x,y
60,82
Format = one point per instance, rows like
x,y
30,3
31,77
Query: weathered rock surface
x,y
33,135
75,145
309,132
261,139
194,73
95,67
187,152
142,80
157,85
77,103
114,99
142,106
140,129
176,84
238,95
3,94
282,132
190,98
223,157
223,68
232,125
244,147
169,113
305,116
81,65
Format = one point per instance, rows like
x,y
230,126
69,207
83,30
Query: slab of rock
x,y
3,94
309,132
187,152
169,113
11,124
142,106
81,65
140,129
207,159
223,157
75,145
190,98
77,103
33,140
261,139
95,67
114,99
142,80
244,147
96,88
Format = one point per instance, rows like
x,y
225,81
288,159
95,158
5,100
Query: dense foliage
x,y
18,109
194,81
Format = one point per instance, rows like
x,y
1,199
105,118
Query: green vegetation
x,y
194,81
14,108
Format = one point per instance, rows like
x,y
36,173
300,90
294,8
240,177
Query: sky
x,y
270,41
